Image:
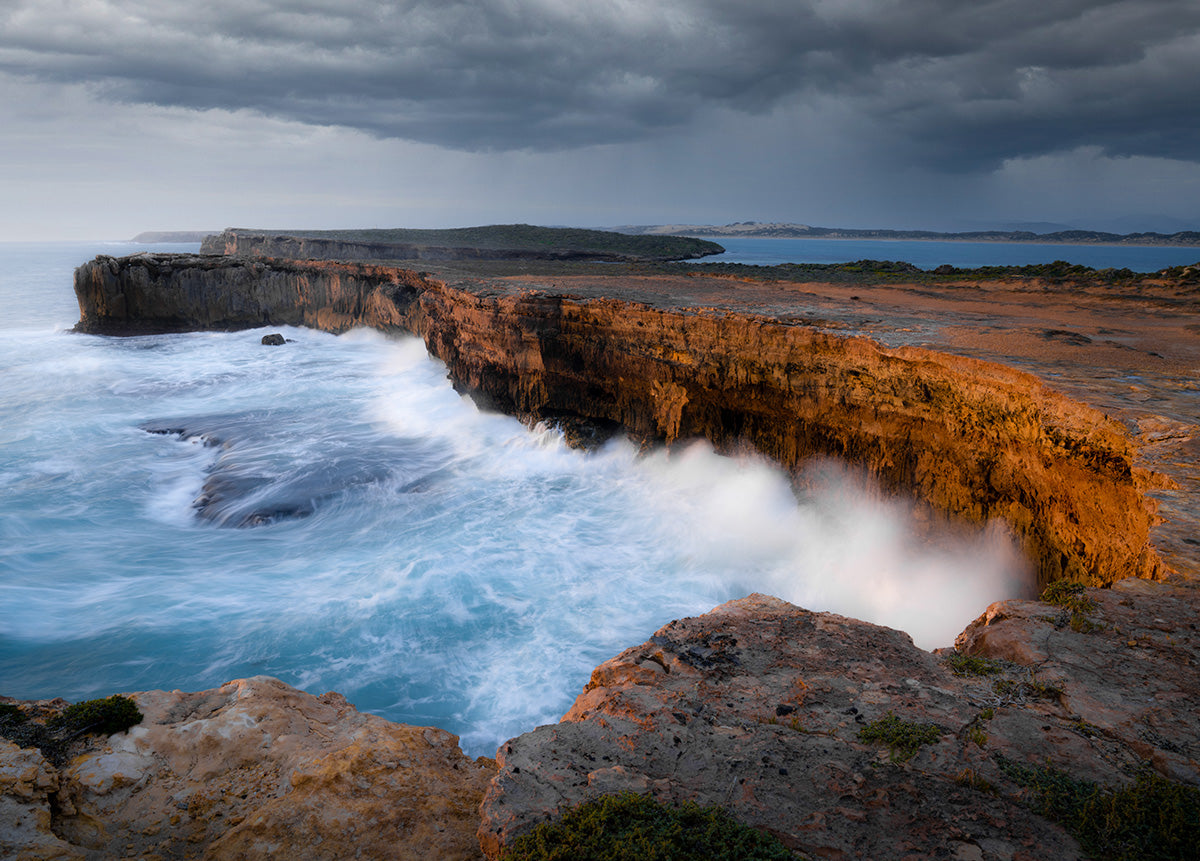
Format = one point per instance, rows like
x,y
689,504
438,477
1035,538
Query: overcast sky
x,y
118,116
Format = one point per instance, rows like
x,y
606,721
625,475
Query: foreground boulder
x,y
846,741
253,769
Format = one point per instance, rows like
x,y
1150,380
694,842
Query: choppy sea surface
x,y
177,511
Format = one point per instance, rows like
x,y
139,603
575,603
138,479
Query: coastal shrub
x,y
1069,594
100,716
1077,607
972,665
902,737
1150,818
631,827
55,737
11,715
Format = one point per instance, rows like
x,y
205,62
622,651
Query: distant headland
x,y
155,236
521,237
777,230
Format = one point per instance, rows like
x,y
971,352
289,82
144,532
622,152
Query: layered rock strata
x,y
973,439
759,707
253,769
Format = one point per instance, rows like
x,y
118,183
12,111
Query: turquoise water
x,y
929,255
436,564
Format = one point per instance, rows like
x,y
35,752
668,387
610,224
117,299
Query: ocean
x,y
931,254
368,530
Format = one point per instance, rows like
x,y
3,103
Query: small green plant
x,y
971,779
977,734
1069,594
55,737
987,714
1150,818
1087,730
902,737
101,716
1019,690
631,827
1081,624
11,715
973,665
1077,607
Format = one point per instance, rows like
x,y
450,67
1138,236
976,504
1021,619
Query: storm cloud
x,y
964,86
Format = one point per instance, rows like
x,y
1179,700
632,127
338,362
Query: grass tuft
x,y
973,665
631,827
1150,818
903,738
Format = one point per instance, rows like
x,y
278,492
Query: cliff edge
x,y
974,440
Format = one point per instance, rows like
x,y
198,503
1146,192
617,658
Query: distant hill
x,y
804,231
493,242
153,236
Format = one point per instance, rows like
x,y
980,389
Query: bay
x,y
930,254
436,564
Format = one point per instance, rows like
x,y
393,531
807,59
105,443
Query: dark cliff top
x,y
512,238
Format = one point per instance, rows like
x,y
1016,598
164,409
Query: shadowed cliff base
x,y
973,439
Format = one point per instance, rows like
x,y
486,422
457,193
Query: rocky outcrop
x,y
253,769
973,439
760,707
183,292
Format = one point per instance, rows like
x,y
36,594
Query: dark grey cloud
x,y
954,84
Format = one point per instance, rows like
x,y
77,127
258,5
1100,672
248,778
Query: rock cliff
x,y
974,440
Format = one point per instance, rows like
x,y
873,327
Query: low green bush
x,y
1150,818
902,737
57,736
11,715
972,665
631,827
102,716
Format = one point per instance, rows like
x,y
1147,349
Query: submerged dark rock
x,y
273,340
263,474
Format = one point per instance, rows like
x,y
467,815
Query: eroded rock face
x,y
972,439
757,707
253,769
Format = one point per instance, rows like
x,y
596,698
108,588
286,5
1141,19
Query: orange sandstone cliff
x,y
974,440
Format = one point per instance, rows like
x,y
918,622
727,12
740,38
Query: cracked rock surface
x,y
758,706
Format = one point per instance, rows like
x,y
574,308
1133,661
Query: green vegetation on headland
x,y
804,231
882,271
631,827
518,237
